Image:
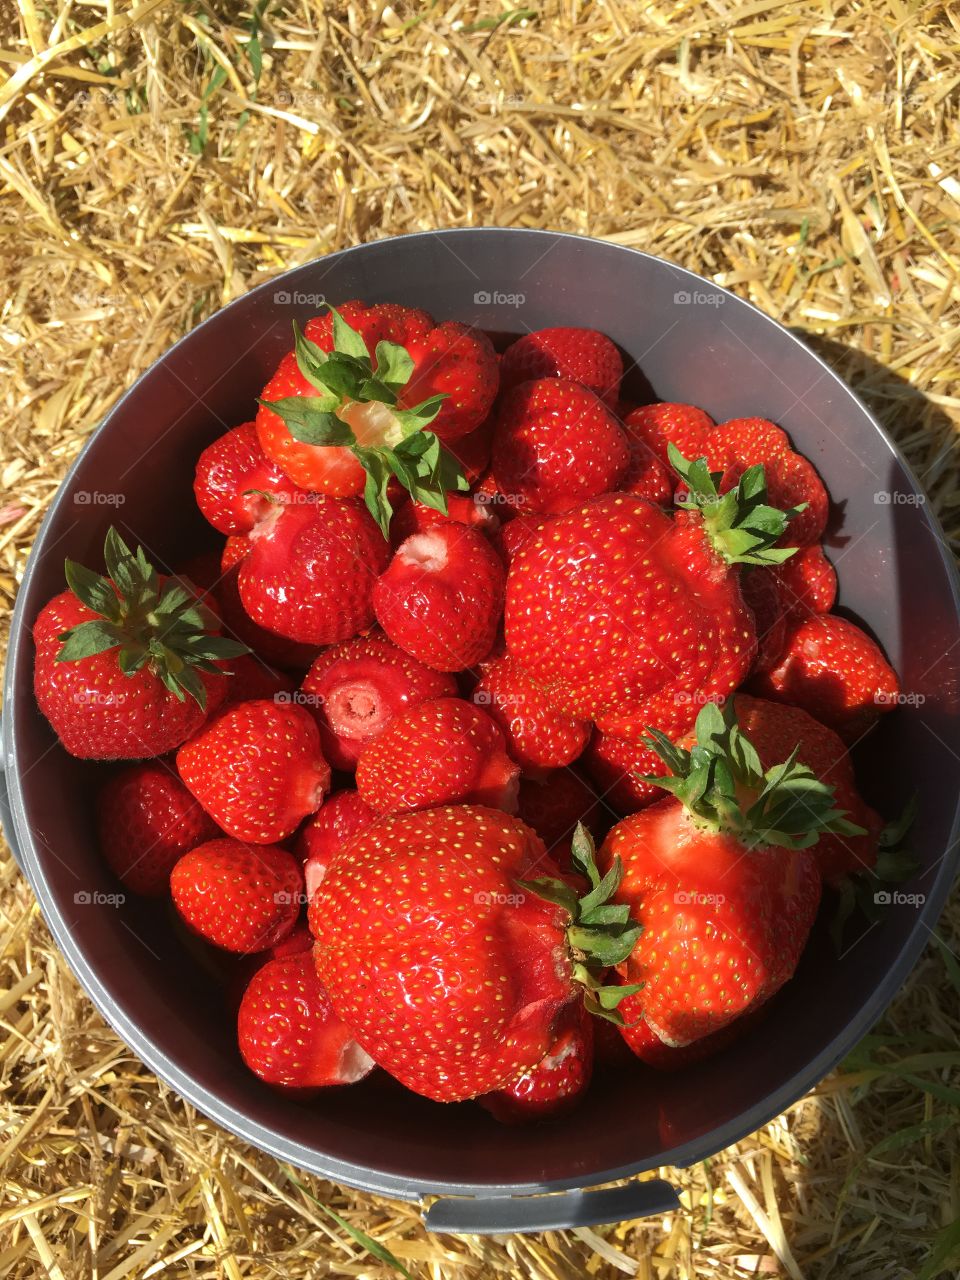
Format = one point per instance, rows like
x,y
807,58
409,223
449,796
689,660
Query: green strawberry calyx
x,y
869,891
162,626
601,932
724,788
356,407
741,524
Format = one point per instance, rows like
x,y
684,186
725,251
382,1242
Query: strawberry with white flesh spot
x,y
236,483
311,569
585,356
722,877
129,665
357,688
441,597
342,816
288,1033
257,769
236,896
558,1081
463,508
350,408
445,751
450,965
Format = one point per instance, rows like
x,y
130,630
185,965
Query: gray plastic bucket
x,y
693,342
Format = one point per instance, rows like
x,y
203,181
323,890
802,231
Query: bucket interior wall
x,y
723,356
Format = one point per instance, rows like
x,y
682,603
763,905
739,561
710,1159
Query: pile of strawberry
x,y
470,612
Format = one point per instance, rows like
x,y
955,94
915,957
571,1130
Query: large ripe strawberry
x,y
357,687
556,445
235,482
441,597
722,878
835,671
792,481
236,896
444,958
617,603
349,407
538,737
660,425
445,751
146,820
579,355
342,816
288,1033
310,573
127,666
649,1048
558,1081
257,769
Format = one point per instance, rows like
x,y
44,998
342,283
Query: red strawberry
x,y
251,678
615,766
358,393
649,1048
445,961
462,508
234,549
722,880
146,819
441,597
472,451
579,355
647,477
359,686
130,665
658,425
289,1034
266,645
340,818
616,604
555,445
558,1081
807,583
538,737
257,769
236,896
509,538
311,571
734,446
761,592
836,672
444,751
554,804
234,478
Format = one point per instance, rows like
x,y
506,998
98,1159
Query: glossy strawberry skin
x,y
807,583
236,896
723,927
289,1035
456,1020
462,508
617,603
96,711
537,736
266,645
649,1048
836,672
646,476
233,474
584,356
340,819
510,537
311,571
257,769
558,1081
762,595
146,821
460,363
445,751
556,445
357,687
658,425
441,597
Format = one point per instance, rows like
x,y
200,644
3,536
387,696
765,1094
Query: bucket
x,y
688,340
